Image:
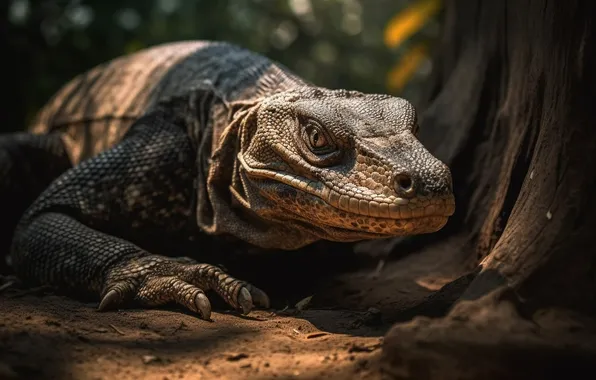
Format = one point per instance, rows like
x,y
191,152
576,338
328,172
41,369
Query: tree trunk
x,y
510,108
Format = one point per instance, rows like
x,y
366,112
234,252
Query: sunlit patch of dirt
x,y
55,337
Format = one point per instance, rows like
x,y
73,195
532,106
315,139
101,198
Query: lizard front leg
x,y
81,258
80,234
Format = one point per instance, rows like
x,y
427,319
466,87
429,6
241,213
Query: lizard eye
x,y
316,140
316,145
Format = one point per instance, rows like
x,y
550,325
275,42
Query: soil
x,y
338,335
55,337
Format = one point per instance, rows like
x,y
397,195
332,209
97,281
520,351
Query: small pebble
x,y
236,357
148,359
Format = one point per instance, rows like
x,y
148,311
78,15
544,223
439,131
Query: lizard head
x,y
343,166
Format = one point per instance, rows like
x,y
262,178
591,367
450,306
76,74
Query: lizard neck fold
x,y
227,203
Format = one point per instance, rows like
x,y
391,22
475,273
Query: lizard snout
x,y
433,181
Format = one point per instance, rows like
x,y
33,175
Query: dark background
x,y
334,43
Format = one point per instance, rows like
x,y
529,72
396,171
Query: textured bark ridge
x,y
511,109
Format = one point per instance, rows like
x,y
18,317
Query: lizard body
x,y
194,139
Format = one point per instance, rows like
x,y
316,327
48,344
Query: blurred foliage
x,y
408,66
369,45
409,21
412,19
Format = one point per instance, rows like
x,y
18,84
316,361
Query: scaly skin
x,y
189,141
373,179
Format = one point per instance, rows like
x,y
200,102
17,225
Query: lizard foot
x,y
157,280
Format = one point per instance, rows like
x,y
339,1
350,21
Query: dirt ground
x,y
54,337
44,335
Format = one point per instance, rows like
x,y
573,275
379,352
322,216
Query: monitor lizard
x,y
184,140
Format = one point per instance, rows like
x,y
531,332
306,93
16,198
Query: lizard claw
x,y
259,297
109,301
250,296
245,301
116,294
160,280
203,306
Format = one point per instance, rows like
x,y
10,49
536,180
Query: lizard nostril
x,y
404,185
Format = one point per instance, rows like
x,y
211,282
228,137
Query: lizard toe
x,y
238,294
162,290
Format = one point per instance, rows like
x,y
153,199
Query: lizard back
x,y
94,110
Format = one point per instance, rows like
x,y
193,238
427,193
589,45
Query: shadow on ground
x,y
55,337
339,333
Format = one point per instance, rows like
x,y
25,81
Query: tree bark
x,y
510,107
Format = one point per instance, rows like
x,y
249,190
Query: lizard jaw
x,y
308,200
372,228
345,225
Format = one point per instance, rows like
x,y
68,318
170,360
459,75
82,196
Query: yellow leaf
x,y
401,73
409,21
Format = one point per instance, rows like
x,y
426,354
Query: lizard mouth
x,y
350,217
